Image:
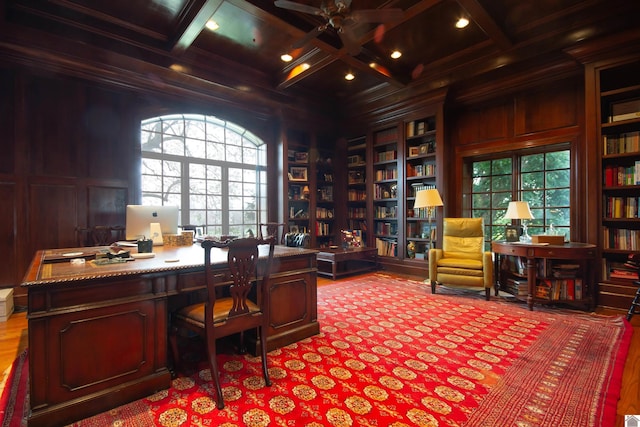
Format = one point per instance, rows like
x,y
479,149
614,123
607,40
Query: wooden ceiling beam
x,y
194,27
482,18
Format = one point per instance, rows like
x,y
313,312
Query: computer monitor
x,y
139,217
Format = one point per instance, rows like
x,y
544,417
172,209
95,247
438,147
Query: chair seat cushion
x,y
453,271
194,314
464,263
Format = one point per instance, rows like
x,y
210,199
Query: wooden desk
x,y
583,254
98,334
346,261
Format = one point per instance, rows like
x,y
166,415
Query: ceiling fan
x,y
338,15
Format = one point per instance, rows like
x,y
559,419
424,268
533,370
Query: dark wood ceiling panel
x,y
253,34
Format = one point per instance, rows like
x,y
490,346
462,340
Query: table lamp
x,y
429,199
520,210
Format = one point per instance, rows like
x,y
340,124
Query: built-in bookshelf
x,y
357,186
385,191
298,213
325,229
420,173
619,133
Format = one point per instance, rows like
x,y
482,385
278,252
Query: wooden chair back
x,y
276,229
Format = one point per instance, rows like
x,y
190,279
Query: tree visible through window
x,y
213,170
542,179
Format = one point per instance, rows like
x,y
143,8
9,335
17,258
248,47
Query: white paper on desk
x,y
156,233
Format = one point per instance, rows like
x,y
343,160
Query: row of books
x,y
323,229
386,228
324,212
426,169
517,287
628,142
384,156
356,195
387,247
357,212
386,136
618,270
382,174
621,238
621,207
619,176
386,211
560,289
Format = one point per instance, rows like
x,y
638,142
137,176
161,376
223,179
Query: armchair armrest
x,y
487,267
434,256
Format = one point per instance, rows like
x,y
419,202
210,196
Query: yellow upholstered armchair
x,y
462,261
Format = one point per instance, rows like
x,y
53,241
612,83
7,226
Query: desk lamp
x,y
521,211
429,199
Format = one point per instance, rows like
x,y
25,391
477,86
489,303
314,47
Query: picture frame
x,y
424,148
302,157
298,174
414,151
512,233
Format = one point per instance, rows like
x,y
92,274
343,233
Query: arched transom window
x,y
213,170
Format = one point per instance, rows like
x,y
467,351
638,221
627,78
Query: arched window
x,y
213,170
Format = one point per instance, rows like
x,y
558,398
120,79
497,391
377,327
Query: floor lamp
x,y
429,199
521,211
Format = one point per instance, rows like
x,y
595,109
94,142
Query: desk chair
x,y
276,229
219,317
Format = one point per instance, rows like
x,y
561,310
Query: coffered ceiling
x,y
244,53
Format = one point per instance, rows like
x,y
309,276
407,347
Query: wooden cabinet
x,y
547,274
618,130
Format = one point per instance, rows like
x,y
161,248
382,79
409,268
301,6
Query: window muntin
x,y
213,170
542,179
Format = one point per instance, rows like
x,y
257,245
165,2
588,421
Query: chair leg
x,y
215,375
433,286
263,346
487,293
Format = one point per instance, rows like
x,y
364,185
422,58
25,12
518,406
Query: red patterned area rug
x,y
392,354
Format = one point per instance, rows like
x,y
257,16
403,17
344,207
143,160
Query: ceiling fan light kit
x,y
340,17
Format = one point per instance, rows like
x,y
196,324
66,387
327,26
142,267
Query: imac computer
x,y
139,218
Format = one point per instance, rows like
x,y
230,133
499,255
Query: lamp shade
x,y
427,199
518,210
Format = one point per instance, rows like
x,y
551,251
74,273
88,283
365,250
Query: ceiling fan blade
x,y
309,36
376,15
349,40
291,5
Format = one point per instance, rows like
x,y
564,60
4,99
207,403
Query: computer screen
x,y
139,217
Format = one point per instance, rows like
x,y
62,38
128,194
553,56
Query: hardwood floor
x,y
13,339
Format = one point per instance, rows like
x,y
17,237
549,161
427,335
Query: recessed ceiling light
x,y
212,25
286,57
462,22
305,66
396,54
349,76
